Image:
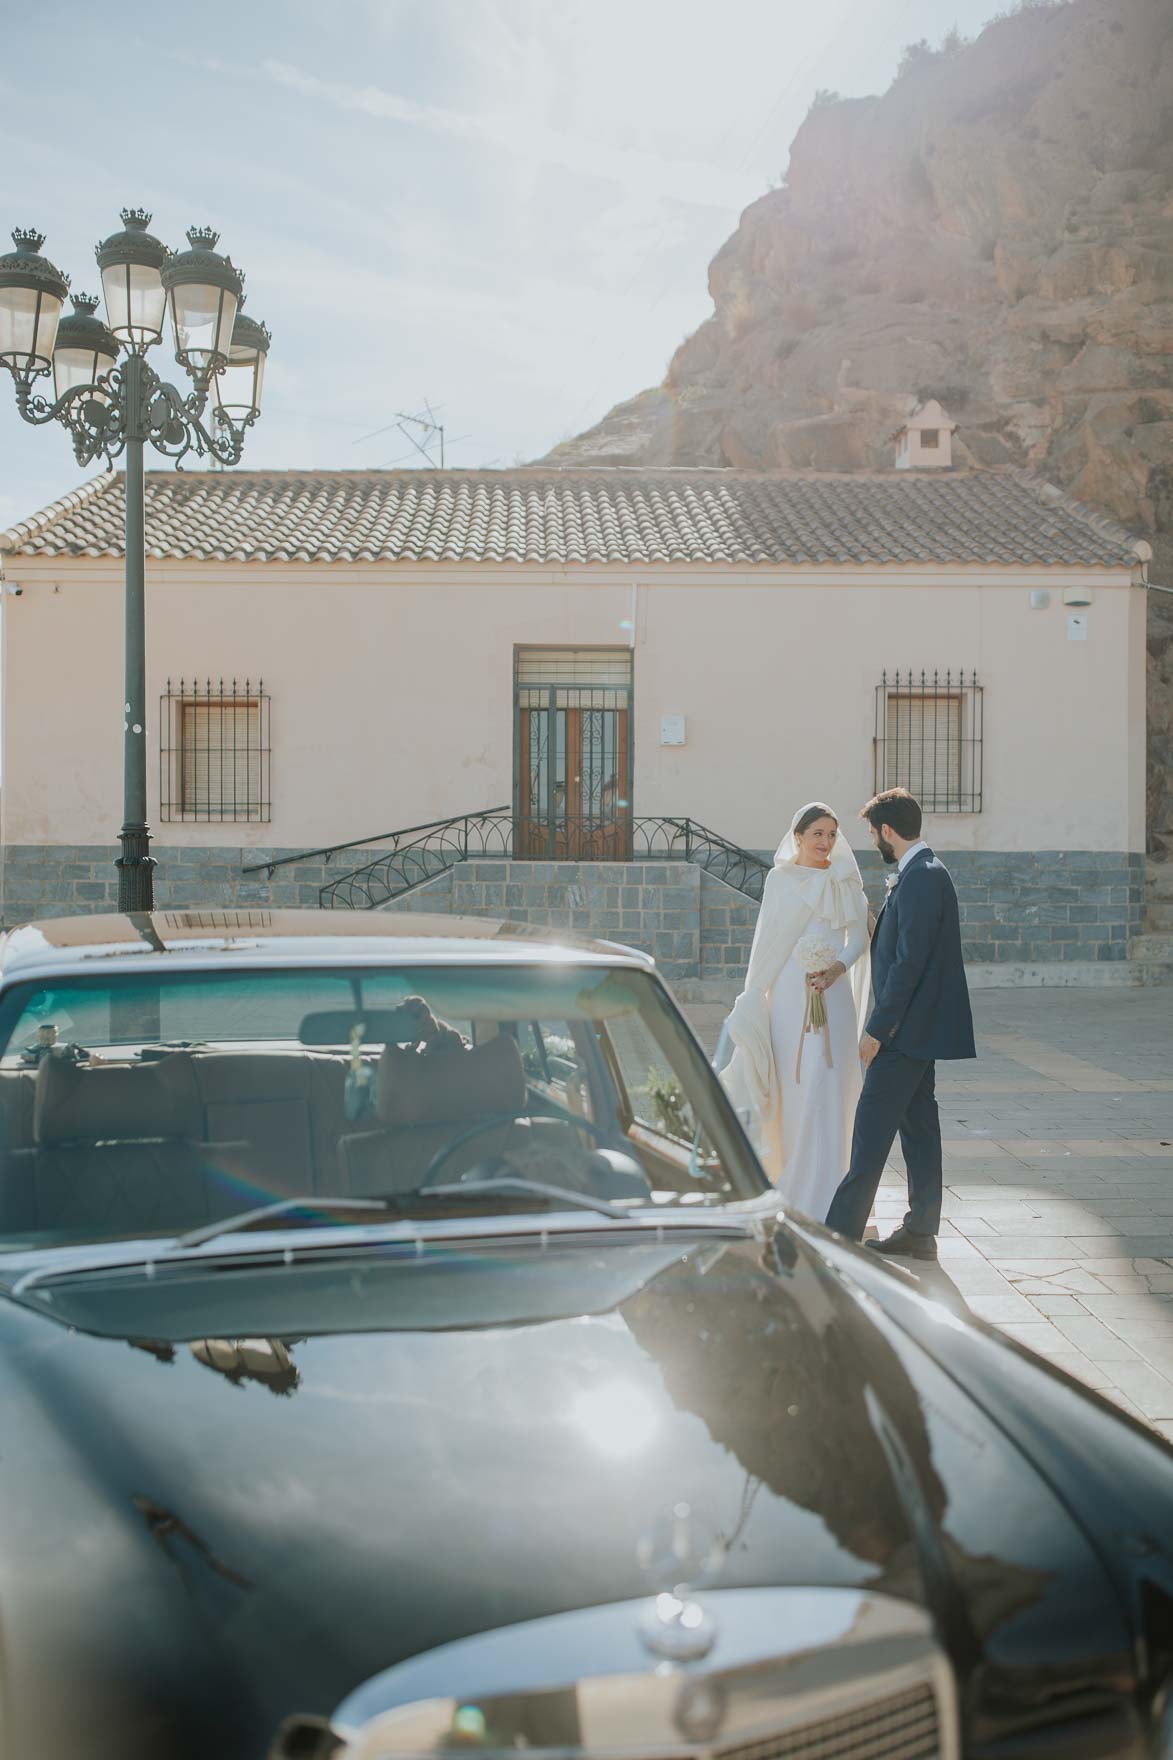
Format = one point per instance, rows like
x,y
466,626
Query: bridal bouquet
x,y
813,956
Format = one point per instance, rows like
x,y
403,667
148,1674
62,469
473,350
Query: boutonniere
x,y
891,883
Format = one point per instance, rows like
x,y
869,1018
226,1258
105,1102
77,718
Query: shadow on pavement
x,y
933,1281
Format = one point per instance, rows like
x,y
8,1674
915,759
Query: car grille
x,y
902,1726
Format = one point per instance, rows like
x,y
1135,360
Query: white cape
x,y
793,896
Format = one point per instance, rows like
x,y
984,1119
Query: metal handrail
x,y
333,849
424,852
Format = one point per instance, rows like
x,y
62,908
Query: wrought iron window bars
x,y
928,738
215,752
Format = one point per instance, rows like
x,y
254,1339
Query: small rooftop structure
x,y
925,443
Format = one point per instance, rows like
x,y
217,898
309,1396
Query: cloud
x,y
689,181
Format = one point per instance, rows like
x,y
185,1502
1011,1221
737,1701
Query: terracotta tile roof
x,y
579,515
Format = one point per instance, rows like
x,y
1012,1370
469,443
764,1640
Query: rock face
x,y
995,231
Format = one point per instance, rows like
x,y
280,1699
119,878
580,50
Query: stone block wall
x,y
654,906
1051,907
55,880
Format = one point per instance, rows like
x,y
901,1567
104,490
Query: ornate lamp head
x,y
238,387
130,262
203,292
85,347
32,293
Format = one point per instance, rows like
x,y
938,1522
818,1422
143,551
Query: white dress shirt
x,y
913,850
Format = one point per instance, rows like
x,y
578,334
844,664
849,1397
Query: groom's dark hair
x,y
897,808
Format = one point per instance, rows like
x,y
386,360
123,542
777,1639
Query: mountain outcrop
x,y
995,231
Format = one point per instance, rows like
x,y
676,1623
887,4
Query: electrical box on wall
x,y
672,730
1077,626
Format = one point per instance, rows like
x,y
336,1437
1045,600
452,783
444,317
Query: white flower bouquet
x,y
814,955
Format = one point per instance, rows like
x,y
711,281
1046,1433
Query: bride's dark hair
x,y
811,815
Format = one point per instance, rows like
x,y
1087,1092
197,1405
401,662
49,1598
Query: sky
x,y
503,209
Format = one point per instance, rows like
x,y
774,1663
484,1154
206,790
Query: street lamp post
x,y
113,402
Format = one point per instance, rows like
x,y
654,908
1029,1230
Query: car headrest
x,y
448,1087
96,1102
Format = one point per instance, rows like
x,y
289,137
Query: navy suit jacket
x,y
918,975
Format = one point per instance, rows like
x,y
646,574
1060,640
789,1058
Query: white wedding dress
x,y
818,1106
800,1114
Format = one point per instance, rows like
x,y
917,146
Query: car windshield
x,y
156,1104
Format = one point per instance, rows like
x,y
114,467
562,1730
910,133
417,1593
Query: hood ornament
x,y
680,1550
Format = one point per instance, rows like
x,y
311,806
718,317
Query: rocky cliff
x,y
995,231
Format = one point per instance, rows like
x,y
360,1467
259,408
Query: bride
x,y
799,1083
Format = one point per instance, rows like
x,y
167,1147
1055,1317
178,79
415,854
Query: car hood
x,y
261,1501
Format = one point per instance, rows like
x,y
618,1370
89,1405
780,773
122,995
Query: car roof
x,y
283,937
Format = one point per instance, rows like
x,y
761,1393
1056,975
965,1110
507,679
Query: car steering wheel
x,y
442,1156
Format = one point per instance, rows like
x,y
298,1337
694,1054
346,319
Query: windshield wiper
x,y
531,1188
318,1209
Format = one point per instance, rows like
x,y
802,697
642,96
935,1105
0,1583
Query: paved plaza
x,y
1059,1183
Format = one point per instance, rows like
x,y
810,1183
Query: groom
x,y
921,1013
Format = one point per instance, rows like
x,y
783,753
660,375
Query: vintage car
x,y
402,1352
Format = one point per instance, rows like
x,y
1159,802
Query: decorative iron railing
x,y
405,860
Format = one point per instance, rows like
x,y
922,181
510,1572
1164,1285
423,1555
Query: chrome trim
x,y
781,1661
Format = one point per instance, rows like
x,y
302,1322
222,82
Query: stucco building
x,y
570,665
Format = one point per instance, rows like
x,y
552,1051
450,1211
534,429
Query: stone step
x,y
1152,949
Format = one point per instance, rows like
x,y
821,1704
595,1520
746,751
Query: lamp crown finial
x,y
138,218
85,303
203,238
28,238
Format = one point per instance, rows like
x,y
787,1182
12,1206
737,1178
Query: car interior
x,y
116,1141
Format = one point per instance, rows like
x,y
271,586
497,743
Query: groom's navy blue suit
x,y
921,1013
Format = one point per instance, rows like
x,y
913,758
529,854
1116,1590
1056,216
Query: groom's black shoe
x,y
906,1245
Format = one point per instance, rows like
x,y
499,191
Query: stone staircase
x,y
1154,947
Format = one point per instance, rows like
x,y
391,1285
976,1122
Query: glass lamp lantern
x,y
85,348
131,262
237,389
32,293
203,293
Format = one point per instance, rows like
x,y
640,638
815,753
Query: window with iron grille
x,y
214,752
928,738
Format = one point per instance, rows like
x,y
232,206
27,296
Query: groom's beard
x,y
886,850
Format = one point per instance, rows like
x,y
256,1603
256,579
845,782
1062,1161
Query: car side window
x,y
655,1093
553,1065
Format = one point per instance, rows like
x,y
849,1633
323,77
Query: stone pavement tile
x,y
1052,1305
1012,1247
1000,1306
1039,1335
962,1149
1094,1339
1112,1308
1152,1206
1074,1221
1165,1427
1123,1267
976,1280
1113,1147
1126,1285
972,1225
957,1250
1146,1323
1128,1246
1034,1286
1091,1374
1068,1218
1150,1391
1041,1268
